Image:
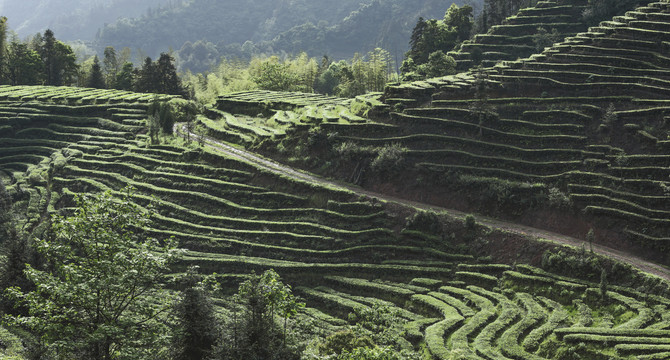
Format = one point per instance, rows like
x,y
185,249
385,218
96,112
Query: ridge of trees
x,y
345,78
245,29
45,60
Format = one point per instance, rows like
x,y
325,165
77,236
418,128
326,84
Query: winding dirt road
x,y
280,169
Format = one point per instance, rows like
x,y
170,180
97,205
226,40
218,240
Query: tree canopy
x,y
99,294
96,78
432,39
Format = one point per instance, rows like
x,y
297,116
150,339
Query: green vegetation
x,y
426,58
358,76
242,29
100,295
368,281
274,263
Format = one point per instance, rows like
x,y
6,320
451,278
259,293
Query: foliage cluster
x,y
158,76
197,331
42,59
432,38
378,335
252,332
598,10
386,159
543,38
301,73
97,292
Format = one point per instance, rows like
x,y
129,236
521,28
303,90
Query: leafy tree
x,y
6,218
60,62
327,81
168,81
481,109
272,74
197,328
15,250
159,77
110,67
255,335
603,284
163,114
461,20
439,64
96,78
24,65
542,38
432,36
124,78
48,55
100,294
147,76
379,61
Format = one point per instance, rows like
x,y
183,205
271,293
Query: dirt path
x,y
281,169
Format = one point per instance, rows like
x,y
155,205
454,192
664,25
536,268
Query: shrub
x,y
350,151
470,222
343,342
610,116
389,158
558,199
424,220
543,38
367,353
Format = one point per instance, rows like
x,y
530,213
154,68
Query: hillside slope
x,y
320,27
587,118
570,140
519,35
70,19
344,254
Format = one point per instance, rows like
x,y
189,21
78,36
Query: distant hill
x,y
319,27
70,19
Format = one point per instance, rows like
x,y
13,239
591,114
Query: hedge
x,y
485,341
509,340
384,291
557,318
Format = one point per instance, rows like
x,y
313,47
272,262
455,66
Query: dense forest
x,y
242,29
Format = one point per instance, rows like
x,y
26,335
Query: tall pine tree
x,y
95,78
146,77
168,80
59,61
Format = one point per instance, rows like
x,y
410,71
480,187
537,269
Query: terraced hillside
x,y
580,127
494,312
346,255
251,117
519,35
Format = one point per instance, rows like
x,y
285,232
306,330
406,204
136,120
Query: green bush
x,y
426,221
389,159
470,222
